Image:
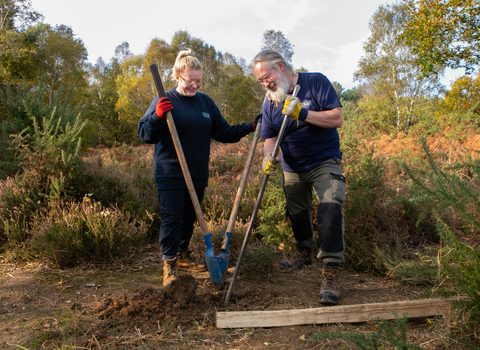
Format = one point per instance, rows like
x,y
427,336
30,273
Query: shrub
x,y
387,335
366,190
38,128
42,148
121,176
451,194
273,226
258,261
86,231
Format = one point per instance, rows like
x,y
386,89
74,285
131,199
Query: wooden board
x,y
333,314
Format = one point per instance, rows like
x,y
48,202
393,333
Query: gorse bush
x,y
366,184
42,150
388,335
366,189
258,261
452,194
453,188
32,119
460,264
272,225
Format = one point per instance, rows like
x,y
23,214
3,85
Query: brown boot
x,y
329,291
301,258
186,262
169,271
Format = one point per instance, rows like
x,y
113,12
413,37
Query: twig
x,y
21,347
96,341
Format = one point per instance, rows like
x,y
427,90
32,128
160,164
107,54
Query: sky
x,y
327,35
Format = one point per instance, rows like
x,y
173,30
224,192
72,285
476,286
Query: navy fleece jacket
x,y
197,120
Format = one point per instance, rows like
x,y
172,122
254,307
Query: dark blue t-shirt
x,y
197,120
305,146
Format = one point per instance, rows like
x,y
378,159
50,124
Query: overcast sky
x,y
327,35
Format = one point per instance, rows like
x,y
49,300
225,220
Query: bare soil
x,y
126,307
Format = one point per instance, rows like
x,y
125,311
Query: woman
x,y
197,120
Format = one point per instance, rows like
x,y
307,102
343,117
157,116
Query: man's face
x,y
273,80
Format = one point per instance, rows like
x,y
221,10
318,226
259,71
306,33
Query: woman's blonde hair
x,y
185,60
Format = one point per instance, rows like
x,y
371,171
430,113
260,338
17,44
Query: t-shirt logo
x,y
306,104
206,115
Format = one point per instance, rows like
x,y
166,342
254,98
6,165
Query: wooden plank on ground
x,y
333,314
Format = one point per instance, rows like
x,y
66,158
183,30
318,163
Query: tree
x,y
61,57
218,69
105,125
350,95
390,68
444,33
240,106
301,70
464,94
338,88
160,53
136,88
276,41
135,93
16,42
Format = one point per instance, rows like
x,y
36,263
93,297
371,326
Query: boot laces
x,y
329,279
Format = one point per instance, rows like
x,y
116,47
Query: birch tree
x,y
390,68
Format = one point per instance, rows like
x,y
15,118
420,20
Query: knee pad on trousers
x,y
330,227
301,225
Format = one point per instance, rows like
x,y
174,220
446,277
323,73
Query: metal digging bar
x,y
183,163
257,206
221,260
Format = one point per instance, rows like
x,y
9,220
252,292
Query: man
x,y
310,158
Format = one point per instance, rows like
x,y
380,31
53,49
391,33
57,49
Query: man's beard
x,y
282,89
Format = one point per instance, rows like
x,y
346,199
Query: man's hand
x,y
269,164
293,108
163,106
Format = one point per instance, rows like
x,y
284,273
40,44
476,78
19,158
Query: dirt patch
x,y
119,306
155,304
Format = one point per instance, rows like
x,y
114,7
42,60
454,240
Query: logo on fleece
x,y
206,115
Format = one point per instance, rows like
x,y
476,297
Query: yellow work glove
x,y
269,164
293,108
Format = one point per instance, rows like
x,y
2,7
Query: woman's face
x,y
189,82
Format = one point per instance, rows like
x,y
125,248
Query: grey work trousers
x,y
329,186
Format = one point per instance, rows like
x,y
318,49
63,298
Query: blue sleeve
x,y
324,92
268,130
150,127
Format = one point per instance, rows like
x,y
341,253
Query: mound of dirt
x,y
151,303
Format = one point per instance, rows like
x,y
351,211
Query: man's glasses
x,y
260,81
191,82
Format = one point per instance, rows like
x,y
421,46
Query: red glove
x,y
163,106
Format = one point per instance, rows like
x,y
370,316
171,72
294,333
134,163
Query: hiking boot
x,y
329,291
169,271
301,258
186,262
